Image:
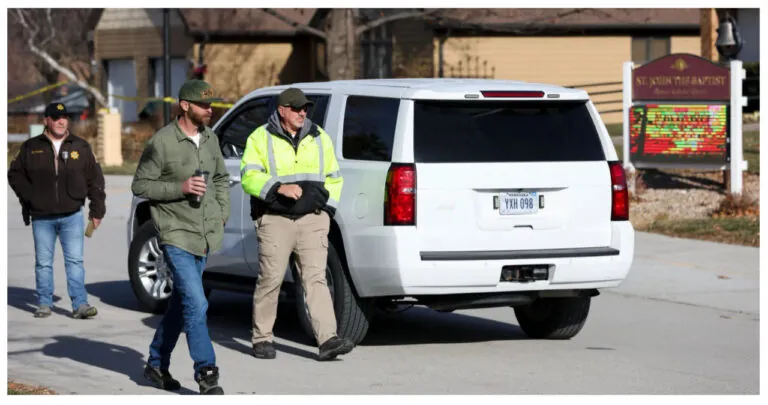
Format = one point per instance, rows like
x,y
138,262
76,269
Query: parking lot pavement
x,y
686,321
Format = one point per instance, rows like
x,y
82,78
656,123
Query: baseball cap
x,y
197,91
293,97
55,111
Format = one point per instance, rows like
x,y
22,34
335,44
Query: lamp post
x,y
166,64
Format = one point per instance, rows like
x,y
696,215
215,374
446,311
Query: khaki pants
x,y
308,238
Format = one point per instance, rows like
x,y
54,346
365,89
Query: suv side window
x,y
318,112
369,128
234,133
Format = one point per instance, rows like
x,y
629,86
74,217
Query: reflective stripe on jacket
x,y
272,158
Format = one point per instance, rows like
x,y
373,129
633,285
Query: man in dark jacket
x,y
52,175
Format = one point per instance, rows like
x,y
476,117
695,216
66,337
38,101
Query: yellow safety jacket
x,y
272,158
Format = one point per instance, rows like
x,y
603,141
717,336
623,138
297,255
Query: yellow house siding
x,y
234,70
565,61
122,18
690,45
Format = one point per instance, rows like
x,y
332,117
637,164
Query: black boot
x,y
208,380
333,347
264,350
161,378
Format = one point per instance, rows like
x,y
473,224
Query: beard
x,y
199,120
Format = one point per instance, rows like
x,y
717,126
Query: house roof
x,y
589,18
237,21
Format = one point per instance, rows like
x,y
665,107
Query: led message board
x,y
679,133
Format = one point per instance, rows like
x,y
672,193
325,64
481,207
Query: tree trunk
x,y
341,45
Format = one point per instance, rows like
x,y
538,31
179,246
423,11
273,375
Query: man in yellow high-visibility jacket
x,y
290,167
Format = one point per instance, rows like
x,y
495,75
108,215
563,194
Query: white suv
x,y
457,194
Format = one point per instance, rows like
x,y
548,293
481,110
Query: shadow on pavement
x,y
116,358
115,293
25,299
420,325
229,324
229,321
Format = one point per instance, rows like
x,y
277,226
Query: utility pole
x,y
167,63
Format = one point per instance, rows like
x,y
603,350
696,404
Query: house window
x,y
376,53
645,49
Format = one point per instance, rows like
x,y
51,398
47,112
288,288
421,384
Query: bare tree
x,y
342,32
344,27
57,38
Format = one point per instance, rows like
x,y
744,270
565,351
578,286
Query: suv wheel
x,y
353,314
553,318
148,271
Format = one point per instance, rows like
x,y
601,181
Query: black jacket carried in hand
x,y
43,190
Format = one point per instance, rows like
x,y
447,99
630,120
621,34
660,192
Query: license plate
x,y
518,203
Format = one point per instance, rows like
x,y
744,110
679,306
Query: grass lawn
x,y
24,389
734,230
127,169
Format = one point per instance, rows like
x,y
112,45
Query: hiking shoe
x,y
264,350
208,380
161,378
43,311
84,311
333,347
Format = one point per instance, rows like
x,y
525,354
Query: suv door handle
x,y
234,180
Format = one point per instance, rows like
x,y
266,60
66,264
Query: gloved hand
x,y
25,213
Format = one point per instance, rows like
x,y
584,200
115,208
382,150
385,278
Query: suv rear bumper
x,y
389,263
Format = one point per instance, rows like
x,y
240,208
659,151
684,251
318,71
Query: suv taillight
x,y
619,193
400,195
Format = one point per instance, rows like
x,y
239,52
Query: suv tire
x,y
353,314
140,252
553,318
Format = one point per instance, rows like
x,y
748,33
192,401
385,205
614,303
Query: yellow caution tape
x,y
38,91
167,100
163,99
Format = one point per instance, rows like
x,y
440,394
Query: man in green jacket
x,y
189,212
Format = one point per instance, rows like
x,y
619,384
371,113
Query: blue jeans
x,y
187,308
70,231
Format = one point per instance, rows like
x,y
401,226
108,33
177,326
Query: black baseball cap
x,y
56,111
293,97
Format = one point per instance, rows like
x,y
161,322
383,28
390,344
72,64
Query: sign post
x,y
683,112
626,74
738,102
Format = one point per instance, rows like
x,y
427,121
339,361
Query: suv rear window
x,y
504,131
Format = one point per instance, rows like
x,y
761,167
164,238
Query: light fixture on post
x,y
729,40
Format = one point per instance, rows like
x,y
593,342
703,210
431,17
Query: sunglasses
x,y
298,109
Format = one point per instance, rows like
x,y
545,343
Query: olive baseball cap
x,y
293,97
197,91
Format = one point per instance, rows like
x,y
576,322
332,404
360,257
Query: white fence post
x,y
626,73
738,102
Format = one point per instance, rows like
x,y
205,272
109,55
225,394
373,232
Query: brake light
x,y
512,94
400,195
619,193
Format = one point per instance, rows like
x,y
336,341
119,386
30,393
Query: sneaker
x,y
43,311
264,350
208,380
161,378
84,311
333,347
